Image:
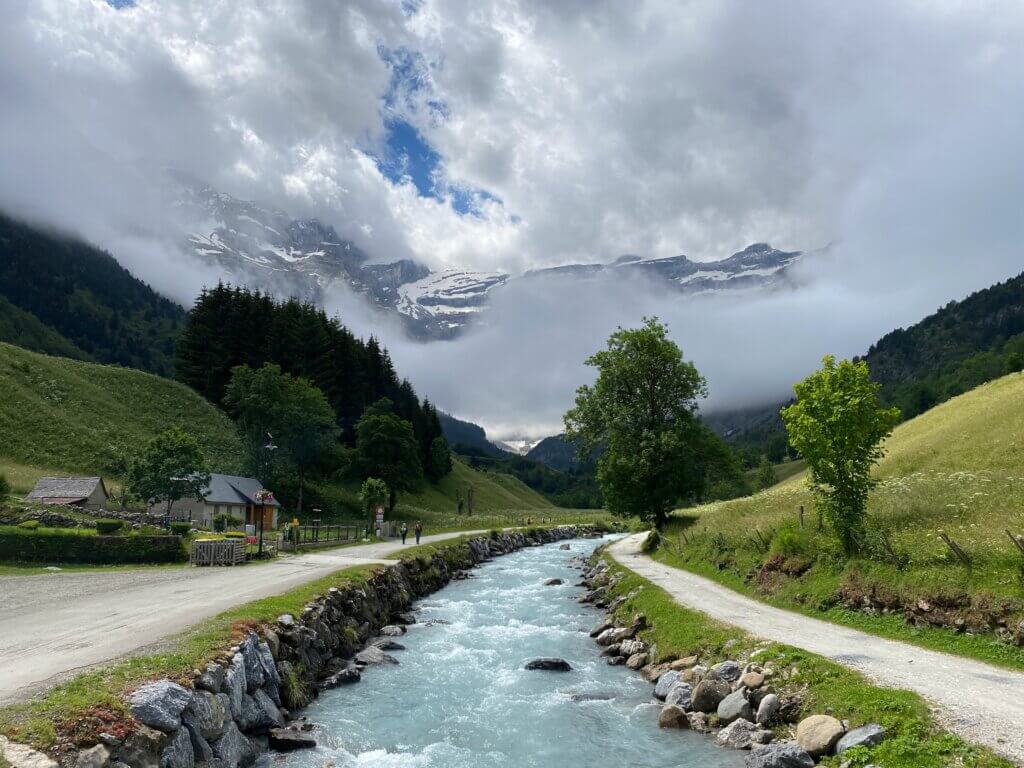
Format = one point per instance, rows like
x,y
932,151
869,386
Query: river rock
x,y
345,676
818,734
374,655
211,678
631,647
729,671
581,697
870,735
684,663
550,664
387,644
752,680
604,625
636,661
681,695
652,672
607,637
734,707
94,757
672,716
665,683
739,734
767,709
290,739
233,748
553,583
393,630
160,705
784,755
709,694
565,547
178,752
405,618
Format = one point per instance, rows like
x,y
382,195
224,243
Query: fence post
x,y
955,548
801,515
1017,540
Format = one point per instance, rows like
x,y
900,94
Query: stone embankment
x,y
241,704
742,703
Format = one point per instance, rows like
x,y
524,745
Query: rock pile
x,y
736,700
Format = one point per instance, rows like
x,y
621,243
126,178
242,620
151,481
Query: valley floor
x,y
981,703
55,624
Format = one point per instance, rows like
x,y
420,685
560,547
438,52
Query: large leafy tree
x,y
374,492
641,409
386,448
838,425
291,409
170,467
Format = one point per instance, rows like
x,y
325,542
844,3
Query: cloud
x,y
549,133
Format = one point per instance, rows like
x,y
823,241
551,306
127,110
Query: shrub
x,y
29,525
180,528
108,526
234,534
224,521
652,542
5,487
70,545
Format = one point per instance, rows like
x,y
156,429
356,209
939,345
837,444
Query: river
x,y
460,697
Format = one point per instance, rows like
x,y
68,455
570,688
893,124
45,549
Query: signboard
x,y
378,514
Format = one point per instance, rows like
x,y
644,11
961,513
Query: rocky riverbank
x,y
241,703
745,703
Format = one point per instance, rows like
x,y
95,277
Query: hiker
x,y
404,530
419,531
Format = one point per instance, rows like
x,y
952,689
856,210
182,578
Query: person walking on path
x,y
419,531
404,531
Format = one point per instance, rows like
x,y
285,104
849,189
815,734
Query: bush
x,y
108,526
652,542
224,521
180,528
5,487
29,525
70,545
234,534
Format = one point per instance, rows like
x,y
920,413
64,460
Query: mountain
x,y
466,437
955,349
556,452
265,248
62,296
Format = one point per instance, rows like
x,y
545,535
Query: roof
x,y
231,489
65,489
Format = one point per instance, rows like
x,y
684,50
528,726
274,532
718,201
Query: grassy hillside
x,y
957,469
63,414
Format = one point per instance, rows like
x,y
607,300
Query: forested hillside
x,y
61,296
229,327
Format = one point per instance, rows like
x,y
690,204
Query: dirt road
x,y
54,624
981,703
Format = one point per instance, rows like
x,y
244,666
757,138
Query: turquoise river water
x,y
460,697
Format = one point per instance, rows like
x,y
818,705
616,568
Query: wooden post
x,y
801,515
1017,540
955,548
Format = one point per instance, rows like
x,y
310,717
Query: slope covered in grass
x,y
957,470
69,415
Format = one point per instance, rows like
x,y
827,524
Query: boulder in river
x,y
289,739
393,630
665,683
346,676
549,664
374,655
709,694
581,697
553,583
672,716
387,644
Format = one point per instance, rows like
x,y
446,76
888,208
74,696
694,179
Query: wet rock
x,y
601,627
652,672
636,661
160,705
665,683
393,630
615,661
680,694
290,739
708,694
699,722
405,618
345,676
767,709
818,734
387,644
784,755
870,735
735,707
672,716
549,663
553,583
178,752
607,637
373,655
565,547
582,697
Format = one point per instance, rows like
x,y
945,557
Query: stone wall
x,y
240,705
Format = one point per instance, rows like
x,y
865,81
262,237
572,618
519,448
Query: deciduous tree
x,y
386,448
171,467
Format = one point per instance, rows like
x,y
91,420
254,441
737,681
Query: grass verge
x,y
914,739
97,697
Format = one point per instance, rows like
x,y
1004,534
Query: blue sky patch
x,y
120,3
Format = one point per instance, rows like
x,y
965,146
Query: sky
x,y
515,134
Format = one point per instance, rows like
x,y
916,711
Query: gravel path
x,y
981,703
55,624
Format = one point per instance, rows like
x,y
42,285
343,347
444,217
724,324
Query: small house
x,y
243,498
85,492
